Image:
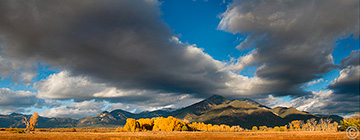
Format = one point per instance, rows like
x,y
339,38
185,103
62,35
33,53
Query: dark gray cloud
x,y
351,60
293,41
124,44
348,81
342,96
17,70
17,98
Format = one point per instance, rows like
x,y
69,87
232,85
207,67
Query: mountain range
x,y
215,110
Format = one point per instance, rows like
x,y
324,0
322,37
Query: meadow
x,y
162,135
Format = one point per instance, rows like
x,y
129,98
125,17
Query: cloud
x,y
351,60
122,52
159,101
348,81
346,86
63,86
322,102
341,98
315,82
76,109
93,107
123,44
18,71
119,51
291,41
21,101
16,98
314,103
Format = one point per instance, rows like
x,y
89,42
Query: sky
x,y
79,58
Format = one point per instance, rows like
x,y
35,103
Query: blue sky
x,y
196,23
70,73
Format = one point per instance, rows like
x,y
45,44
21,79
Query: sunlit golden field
x,y
300,135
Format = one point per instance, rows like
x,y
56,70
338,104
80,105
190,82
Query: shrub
x,y
73,130
282,128
263,128
118,129
184,128
254,128
17,131
276,128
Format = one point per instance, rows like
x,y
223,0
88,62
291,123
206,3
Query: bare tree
x,y
290,126
322,124
308,126
301,124
313,123
327,122
30,122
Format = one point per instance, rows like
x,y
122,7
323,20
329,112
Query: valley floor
x,y
174,135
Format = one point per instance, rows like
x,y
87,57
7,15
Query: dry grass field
x,y
174,135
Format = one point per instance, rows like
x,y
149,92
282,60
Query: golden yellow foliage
x,y
33,120
131,124
353,120
296,124
255,128
155,124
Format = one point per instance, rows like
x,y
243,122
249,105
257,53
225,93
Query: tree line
x,y
300,125
173,124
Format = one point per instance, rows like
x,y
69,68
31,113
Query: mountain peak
x,y
15,114
106,112
102,114
216,99
215,96
117,110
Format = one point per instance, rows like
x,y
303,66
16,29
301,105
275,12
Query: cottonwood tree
x,y
131,124
353,120
327,124
313,123
296,124
30,122
291,126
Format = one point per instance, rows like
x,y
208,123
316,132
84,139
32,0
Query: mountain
x,y
284,111
215,110
333,117
236,112
200,107
290,114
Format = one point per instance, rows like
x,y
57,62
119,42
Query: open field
x,y
174,135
